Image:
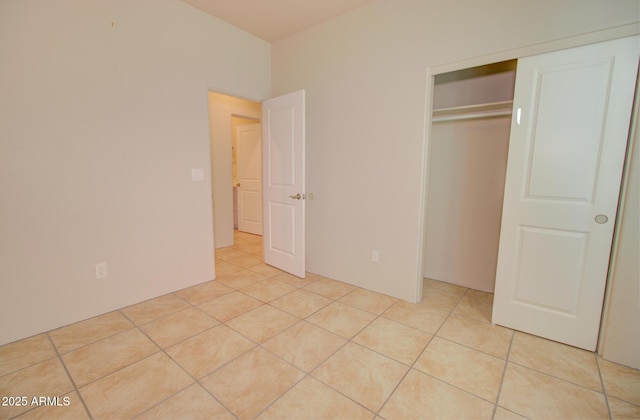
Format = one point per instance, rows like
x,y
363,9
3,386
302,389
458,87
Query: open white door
x,y
566,153
283,174
249,164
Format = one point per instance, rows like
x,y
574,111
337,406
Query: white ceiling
x,y
275,19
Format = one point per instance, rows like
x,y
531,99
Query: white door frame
x,y
432,72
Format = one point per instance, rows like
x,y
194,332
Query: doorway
x,y
281,155
226,113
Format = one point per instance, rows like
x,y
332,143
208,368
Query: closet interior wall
x,y
468,158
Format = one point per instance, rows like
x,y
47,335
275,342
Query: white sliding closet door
x,y
566,154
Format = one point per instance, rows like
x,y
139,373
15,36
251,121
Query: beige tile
x,y
241,239
155,308
328,288
242,244
623,410
294,280
207,351
66,407
247,261
312,276
89,331
178,326
442,285
393,339
134,389
266,270
536,395
368,301
420,396
479,335
477,294
44,379
23,353
465,368
313,399
439,299
262,323
227,254
476,308
223,268
342,319
253,381
504,414
255,249
417,316
99,359
268,290
556,359
191,403
203,292
230,306
304,345
301,303
240,279
620,381
361,374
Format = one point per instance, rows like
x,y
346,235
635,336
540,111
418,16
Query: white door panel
x,y
284,182
564,168
249,164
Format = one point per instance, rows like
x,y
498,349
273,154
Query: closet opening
x,y
467,165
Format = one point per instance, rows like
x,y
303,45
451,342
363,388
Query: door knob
x,y
296,197
601,219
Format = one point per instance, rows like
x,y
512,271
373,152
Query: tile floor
x,y
260,343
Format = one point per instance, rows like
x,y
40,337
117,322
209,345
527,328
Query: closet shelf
x,y
492,109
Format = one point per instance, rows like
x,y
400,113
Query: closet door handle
x,y
295,197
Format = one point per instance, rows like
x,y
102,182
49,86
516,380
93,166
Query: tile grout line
x,y
604,389
586,388
257,344
73,382
504,373
309,373
411,367
260,345
196,381
160,350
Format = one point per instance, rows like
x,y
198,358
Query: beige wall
x,y
222,108
365,74
103,114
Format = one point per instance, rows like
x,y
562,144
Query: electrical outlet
x,y
375,255
101,270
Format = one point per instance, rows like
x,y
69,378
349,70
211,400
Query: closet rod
x,y
472,115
